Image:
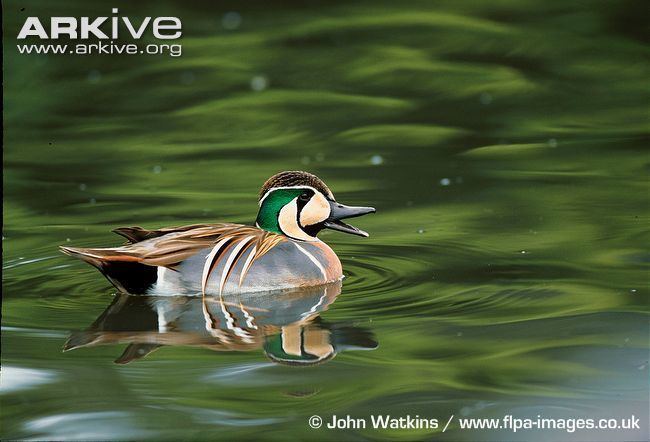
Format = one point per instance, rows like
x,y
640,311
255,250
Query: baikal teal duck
x,y
281,251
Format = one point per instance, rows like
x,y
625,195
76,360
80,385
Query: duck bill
x,y
339,211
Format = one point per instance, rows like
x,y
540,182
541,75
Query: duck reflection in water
x,y
286,325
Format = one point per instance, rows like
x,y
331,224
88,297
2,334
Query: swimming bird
x,y
281,251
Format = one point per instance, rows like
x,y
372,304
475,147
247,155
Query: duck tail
x,y
123,270
91,256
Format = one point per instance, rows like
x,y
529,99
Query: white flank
x,y
314,260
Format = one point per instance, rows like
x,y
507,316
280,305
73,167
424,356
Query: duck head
x,y
299,205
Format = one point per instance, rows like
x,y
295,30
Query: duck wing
x,y
132,268
136,233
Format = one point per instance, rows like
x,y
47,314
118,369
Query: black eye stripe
x,y
304,198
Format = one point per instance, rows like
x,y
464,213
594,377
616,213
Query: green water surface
x,y
503,143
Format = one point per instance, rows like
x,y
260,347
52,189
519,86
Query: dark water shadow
x,y
286,325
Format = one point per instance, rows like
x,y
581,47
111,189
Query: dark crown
x,y
291,178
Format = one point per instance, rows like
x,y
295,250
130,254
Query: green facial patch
x,y
267,217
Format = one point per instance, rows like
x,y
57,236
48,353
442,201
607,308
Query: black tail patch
x,y
127,276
